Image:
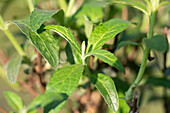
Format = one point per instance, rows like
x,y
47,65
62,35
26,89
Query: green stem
x,y
30,5
129,93
14,42
68,13
16,45
2,24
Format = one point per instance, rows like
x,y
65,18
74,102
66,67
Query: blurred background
x,y
154,89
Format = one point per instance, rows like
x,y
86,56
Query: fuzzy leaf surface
x,y
13,68
133,3
43,41
65,80
105,32
108,58
107,88
39,16
14,100
66,34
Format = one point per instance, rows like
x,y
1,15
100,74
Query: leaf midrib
x,y
106,90
102,56
66,37
46,48
109,30
64,79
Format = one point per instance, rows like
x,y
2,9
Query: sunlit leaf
x,y
65,80
123,106
105,32
13,68
65,33
108,57
39,16
107,88
43,41
14,100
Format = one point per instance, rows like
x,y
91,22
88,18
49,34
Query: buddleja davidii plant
x,y
151,42
65,80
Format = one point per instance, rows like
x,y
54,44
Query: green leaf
x,y
155,81
33,111
59,17
54,107
133,3
23,26
107,88
88,27
13,68
43,41
108,57
77,57
105,32
14,100
164,3
39,16
93,12
123,106
45,99
69,53
65,33
158,42
124,43
65,80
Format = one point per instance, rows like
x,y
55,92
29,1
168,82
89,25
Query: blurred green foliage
x,y
152,87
